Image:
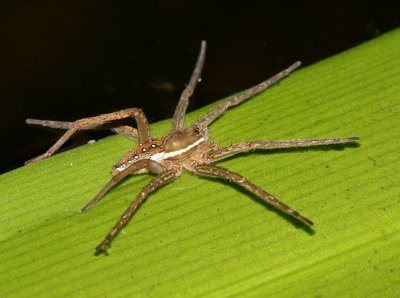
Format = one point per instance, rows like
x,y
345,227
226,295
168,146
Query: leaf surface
x,y
203,237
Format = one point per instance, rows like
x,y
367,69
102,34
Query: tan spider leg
x,y
93,122
50,123
117,178
160,180
266,144
218,172
179,114
211,115
125,130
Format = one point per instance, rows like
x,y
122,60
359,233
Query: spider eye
x,y
197,130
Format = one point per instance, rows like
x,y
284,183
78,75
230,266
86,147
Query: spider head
x,y
183,142
146,150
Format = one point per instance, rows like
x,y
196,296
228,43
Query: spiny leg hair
x,y
180,110
157,182
213,114
242,147
222,173
93,122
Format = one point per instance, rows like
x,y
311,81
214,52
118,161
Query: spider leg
x,y
266,144
213,114
219,172
93,122
160,180
117,178
179,115
125,130
50,123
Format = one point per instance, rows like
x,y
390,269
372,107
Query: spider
x,y
182,148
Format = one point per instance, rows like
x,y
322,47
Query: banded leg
x,y
156,183
266,144
179,115
213,114
218,172
93,122
125,130
50,123
117,178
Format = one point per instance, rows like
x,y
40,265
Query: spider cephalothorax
x,y
181,148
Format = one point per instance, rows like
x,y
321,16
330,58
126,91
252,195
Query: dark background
x,y
64,60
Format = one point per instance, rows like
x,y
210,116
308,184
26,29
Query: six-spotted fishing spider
x,y
183,148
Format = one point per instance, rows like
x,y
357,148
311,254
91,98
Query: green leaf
x,y
203,237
